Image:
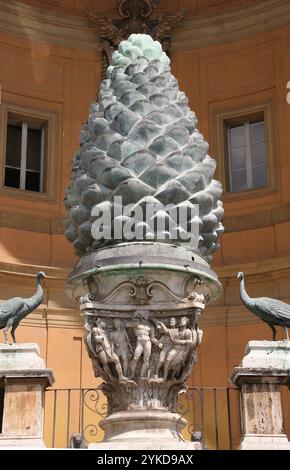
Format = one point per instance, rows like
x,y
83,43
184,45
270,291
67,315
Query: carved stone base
x,y
149,429
141,303
151,443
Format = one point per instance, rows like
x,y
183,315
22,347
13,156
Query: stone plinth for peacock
x,y
144,216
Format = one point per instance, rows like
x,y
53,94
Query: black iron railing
x,y
211,412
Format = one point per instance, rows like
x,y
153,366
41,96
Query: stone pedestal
x,y
23,378
264,368
141,303
144,430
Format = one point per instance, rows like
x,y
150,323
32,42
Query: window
x,y
243,141
247,154
25,148
29,152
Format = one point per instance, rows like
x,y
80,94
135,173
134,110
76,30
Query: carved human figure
x,y
90,344
181,345
121,344
89,323
155,351
144,332
104,351
191,358
166,340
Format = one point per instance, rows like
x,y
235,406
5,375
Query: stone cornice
x,y
275,267
201,31
257,220
31,223
58,316
24,270
32,376
235,315
222,316
232,223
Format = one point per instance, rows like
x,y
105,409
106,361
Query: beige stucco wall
x,y
39,74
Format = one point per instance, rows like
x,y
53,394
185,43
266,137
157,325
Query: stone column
x,y
264,368
23,378
141,303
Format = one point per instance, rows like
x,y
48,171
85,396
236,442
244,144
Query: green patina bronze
x,y
141,143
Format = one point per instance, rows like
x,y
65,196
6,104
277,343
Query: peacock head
x,y
240,276
40,275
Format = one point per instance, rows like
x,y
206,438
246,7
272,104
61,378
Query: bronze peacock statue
x,y
12,311
271,311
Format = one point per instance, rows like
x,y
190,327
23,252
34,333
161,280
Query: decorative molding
x,y
140,290
70,319
257,220
64,318
232,224
202,31
46,318
276,267
29,271
31,223
217,315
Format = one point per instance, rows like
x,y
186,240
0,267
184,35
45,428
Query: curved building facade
x,y
231,58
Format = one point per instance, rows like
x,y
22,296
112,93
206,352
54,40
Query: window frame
x,y
221,120
245,122
50,151
23,155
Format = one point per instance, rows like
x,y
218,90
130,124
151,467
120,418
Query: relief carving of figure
x,y
121,344
144,332
175,359
104,351
166,340
155,352
191,359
